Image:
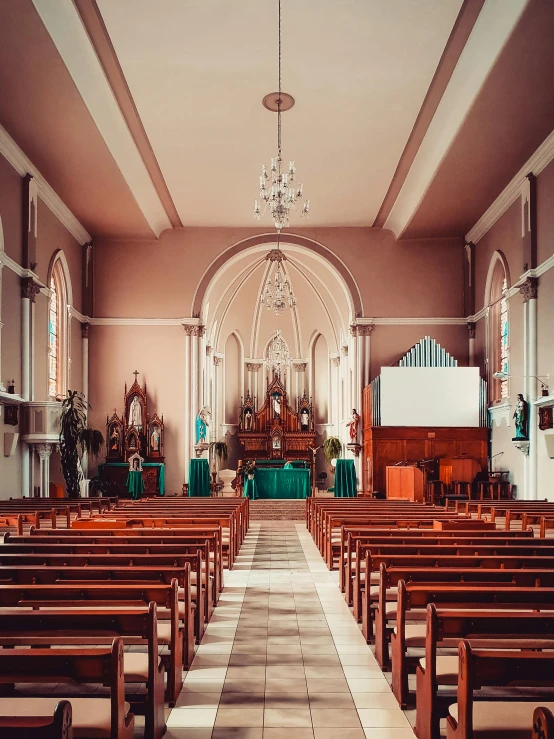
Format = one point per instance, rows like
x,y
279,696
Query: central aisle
x,y
282,656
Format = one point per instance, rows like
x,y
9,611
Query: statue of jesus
x,y
353,426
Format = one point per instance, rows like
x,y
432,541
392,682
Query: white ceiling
x,y
198,70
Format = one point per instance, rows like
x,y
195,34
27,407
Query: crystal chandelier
x,y
281,195
278,356
278,293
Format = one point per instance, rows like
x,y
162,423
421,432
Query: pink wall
x,y
545,214
10,209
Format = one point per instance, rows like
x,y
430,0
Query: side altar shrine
x,y
135,447
280,441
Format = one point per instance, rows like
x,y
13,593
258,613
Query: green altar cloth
x,y
282,483
135,484
199,478
251,489
345,479
160,472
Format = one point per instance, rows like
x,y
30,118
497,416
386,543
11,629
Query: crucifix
x,y
135,374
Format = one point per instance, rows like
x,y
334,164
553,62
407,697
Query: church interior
x,y
277,356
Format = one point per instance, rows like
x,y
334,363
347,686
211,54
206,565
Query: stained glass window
x,y
504,337
53,338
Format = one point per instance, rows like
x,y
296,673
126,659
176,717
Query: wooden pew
x,y
177,635
485,629
96,626
469,719
478,576
101,717
543,723
55,724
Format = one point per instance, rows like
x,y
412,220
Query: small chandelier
x,y
278,356
281,196
278,293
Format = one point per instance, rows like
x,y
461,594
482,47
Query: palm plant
x,y
332,448
76,439
219,452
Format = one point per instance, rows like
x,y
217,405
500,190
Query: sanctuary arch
x,y
228,337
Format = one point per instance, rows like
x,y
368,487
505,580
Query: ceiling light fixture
x,y
281,196
278,293
278,356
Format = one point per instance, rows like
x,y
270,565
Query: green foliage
x,y
75,439
219,452
332,448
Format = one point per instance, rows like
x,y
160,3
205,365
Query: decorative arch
x,y
497,326
58,329
201,296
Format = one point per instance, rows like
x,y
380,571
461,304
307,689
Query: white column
x,y
218,397
84,381
471,344
28,293
532,391
44,452
188,440
1,324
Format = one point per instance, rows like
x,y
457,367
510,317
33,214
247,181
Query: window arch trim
x,y
59,272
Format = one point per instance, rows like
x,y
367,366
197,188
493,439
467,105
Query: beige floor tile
x,y
240,717
371,685
191,718
324,685
198,700
242,700
286,733
287,718
286,700
373,733
252,672
284,672
188,734
202,686
384,700
331,700
234,732
380,718
335,718
243,686
328,672
331,733
279,686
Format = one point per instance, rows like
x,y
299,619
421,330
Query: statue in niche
x,y
114,439
276,405
304,420
135,414
521,418
353,426
155,439
248,420
202,426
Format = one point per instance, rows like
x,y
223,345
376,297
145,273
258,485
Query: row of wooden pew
x,y
461,602
122,578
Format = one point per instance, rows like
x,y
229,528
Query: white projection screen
x,y
430,396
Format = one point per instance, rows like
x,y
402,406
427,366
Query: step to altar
x,y
278,509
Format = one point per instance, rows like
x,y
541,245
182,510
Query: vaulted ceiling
x,y
411,115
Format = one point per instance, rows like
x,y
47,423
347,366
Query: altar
x,y
278,482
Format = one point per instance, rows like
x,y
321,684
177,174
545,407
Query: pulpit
x,y
405,483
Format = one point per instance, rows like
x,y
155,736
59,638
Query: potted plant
x,y
219,453
76,439
249,469
332,448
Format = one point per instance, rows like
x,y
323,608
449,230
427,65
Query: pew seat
x,y
501,719
55,725
91,717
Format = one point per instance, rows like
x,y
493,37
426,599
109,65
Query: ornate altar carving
x,y
137,432
277,431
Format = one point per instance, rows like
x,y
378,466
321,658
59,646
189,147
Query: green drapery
x,y
250,489
282,483
199,478
345,479
135,484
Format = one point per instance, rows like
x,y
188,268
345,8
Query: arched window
x,y
498,325
58,330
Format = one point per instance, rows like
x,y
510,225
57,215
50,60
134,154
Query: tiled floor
x,y
282,656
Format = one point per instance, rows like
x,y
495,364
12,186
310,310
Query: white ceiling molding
x,y
23,166
65,27
143,321
413,321
535,165
490,33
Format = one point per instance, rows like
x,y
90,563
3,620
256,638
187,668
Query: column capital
x,y
336,361
529,289
85,330
361,329
471,329
300,366
344,350
218,361
29,289
253,366
44,450
194,329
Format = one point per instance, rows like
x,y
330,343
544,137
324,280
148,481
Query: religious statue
x,y
202,426
353,426
114,439
248,420
155,439
304,420
276,405
135,414
521,418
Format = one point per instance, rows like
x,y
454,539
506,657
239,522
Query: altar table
x,y
281,483
199,478
345,479
153,475
135,484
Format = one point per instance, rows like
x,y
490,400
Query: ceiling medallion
x,y
279,192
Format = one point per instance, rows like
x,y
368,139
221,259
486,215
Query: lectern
x,y
405,483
